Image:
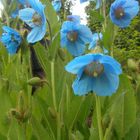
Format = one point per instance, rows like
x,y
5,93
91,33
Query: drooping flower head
x,y
57,4
20,5
35,18
95,73
11,39
74,37
95,43
74,18
123,11
95,40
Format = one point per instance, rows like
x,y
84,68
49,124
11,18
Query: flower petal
x,y
75,65
85,34
106,84
36,34
83,85
27,15
111,64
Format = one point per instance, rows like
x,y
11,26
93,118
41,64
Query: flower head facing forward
x,y
57,4
35,18
11,39
95,73
123,11
74,37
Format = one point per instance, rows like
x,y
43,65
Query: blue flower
x,y
74,18
57,5
95,73
11,39
95,42
35,18
98,3
123,11
74,37
95,39
20,4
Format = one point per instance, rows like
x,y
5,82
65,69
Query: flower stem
x,y
58,127
53,85
98,111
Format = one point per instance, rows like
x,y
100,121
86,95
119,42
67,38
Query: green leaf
x,y
38,130
123,110
93,134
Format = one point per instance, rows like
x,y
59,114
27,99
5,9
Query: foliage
x,y
52,111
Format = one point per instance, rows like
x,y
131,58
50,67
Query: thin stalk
x,y
58,127
53,85
54,101
98,111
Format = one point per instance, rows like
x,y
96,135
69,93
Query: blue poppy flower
x,y
95,73
123,11
35,18
96,37
74,37
98,3
94,43
20,5
74,18
57,4
11,39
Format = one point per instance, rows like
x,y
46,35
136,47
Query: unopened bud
x,y
132,64
52,112
36,81
62,54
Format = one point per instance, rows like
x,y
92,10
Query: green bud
x,y
62,54
52,112
36,81
132,64
106,120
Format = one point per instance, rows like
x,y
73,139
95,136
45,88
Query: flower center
x,y
119,13
36,19
72,36
94,69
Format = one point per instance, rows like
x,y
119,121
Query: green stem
x,y
58,127
104,14
53,85
98,111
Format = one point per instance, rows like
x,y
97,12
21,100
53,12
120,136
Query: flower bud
x,y
62,54
52,112
36,81
132,64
